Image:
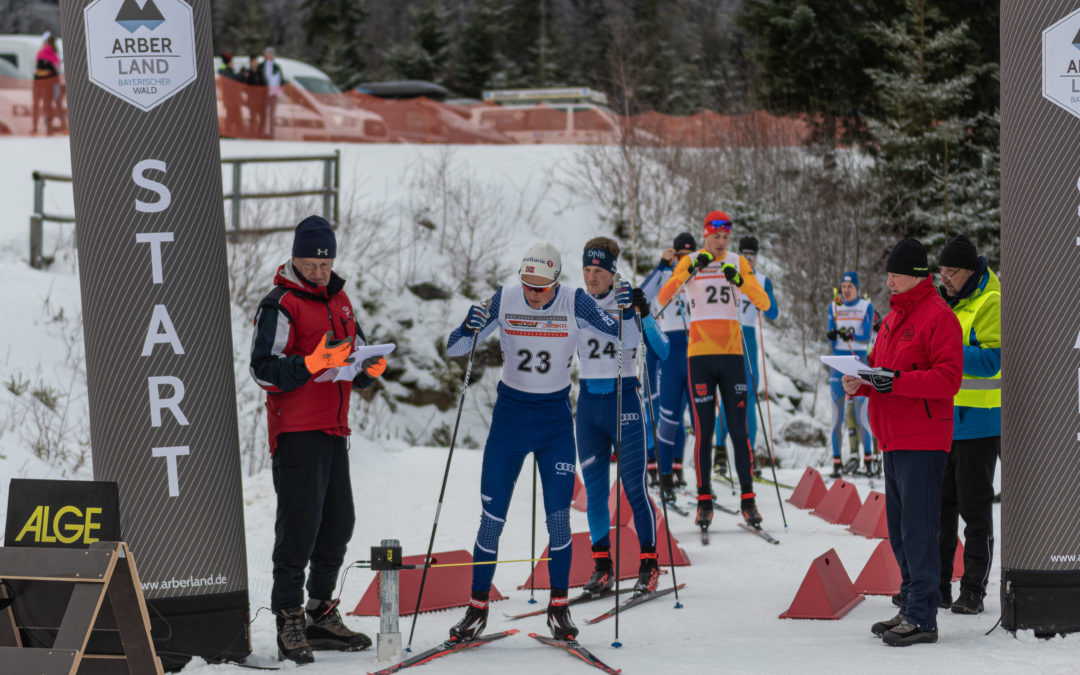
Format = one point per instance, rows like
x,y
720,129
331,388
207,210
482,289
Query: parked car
x,y
311,108
571,115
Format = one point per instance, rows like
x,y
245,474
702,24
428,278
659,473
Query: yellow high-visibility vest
x,y
975,391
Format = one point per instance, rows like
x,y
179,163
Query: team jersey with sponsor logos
x,y
538,345
858,316
675,317
714,303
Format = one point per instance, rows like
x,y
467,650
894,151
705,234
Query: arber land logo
x,y
142,53
1061,63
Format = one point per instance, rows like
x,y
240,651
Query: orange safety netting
x,y
296,114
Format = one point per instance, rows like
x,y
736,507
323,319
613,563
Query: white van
x,y
560,115
21,52
314,109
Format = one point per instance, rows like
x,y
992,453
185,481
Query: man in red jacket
x,y
303,327
916,368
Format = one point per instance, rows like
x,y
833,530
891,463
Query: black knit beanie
x,y
959,252
684,243
314,238
748,245
908,257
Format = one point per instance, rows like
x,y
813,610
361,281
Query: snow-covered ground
x,y
736,587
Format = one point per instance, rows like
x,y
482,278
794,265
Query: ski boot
x,y
654,477
872,466
648,571
558,617
291,641
667,488
680,481
750,511
704,511
325,629
837,468
851,467
720,462
603,576
474,622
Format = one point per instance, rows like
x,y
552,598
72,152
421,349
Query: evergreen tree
x,y
426,57
810,57
481,63
937,167
334,30
246,28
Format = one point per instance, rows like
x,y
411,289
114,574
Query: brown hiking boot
x,y
325,629
291,641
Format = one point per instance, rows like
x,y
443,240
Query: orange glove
x,y
375,366
329,354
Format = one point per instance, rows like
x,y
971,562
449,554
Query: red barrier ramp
x,y
662,557
445,586
581,562
881,574
625,514
826,591
958,561
580,499
809,491
870,521
840,503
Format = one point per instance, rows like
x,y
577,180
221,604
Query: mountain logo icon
x,y
131,16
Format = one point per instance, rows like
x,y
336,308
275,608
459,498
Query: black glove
x,y
833,334
664,264
640,302
701,260
731,273
846,333
881,379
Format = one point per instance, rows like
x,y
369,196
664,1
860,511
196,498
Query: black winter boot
x,y
837,468
558,616
648,571
704,511
654,476
750,511
325,630
603,576
291,641
667,488
969,602
474,622
882,627
905,634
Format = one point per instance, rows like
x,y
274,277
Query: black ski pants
x,y
315,515
968,492
708,373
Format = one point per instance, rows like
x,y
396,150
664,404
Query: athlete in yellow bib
x,y
715,280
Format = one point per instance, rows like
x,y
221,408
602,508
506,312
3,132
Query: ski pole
x,y
761,418
532,548
765,377
618,459
446,475
693,270
656,444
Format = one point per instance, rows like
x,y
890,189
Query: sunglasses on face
x,y
721,224
539,289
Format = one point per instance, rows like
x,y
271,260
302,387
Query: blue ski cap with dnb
x,y
314,238
852,277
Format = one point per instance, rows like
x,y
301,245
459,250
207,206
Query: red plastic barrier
x,y
840,503
881,574
581,500
826,591
625,514
809,491
958,561
662,557
870,521
445,586
581,562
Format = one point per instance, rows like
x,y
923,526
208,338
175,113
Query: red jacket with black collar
x,y
289,323
921,339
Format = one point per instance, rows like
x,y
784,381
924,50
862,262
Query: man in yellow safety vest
x,y
973,291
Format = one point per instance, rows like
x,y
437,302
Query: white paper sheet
x,y
846,364
350,371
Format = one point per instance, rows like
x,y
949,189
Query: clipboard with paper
x,y
846,364
358,357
